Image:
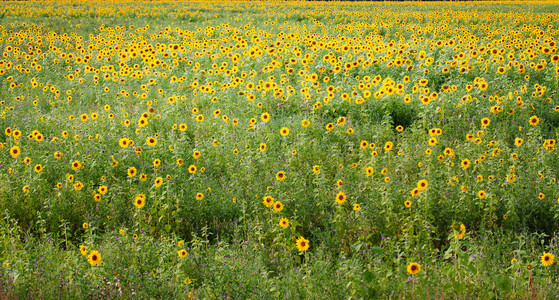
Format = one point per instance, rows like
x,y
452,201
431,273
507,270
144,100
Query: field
x,y
298,150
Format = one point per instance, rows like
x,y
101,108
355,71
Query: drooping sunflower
x,y
547,259
413,268
94,258
302,244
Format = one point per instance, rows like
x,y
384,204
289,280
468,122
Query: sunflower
x,y
407,203
97,197
413,268
123,142
415,192
76,165
15,152
192,169
85,225
305,123
265,117
140,200
268,201
278,206
199,196
485,122
132,172
465,163
302,244
284,223
356,207
83,250
422,185
196,154
262,147
481,194
182,253
158,181
38,168
388,146
280,176
534,120
151,141
284,131
316,169
94,258
341,198
547,259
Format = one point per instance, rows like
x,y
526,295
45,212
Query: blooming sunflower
x,y
192,169
94,258
140,200
413,268
534,120
15,152
132,172
422,185
278,206
302,244
280,176
83,250
284,223
182,253
547,259
341,198
151,141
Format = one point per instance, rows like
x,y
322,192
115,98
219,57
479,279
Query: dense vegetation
x,y
278,150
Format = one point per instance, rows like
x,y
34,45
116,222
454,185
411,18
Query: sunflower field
x,y
263,150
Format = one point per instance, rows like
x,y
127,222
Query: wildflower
x,y
302,244
341,198
413,268
94,258
278,206
15,152
140,200
547,259
284,223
